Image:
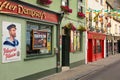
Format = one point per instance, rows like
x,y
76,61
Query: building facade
x,y
112,41
39,38
96,37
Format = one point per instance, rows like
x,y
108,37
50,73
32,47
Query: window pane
x,y
64,2
38,39
74,40
98,46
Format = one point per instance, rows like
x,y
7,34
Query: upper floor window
x,y
80,7
97,0
81,0
65,3
119,29
101,2
115,28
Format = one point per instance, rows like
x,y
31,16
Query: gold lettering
x,y
25,11
0,3
14,8
20,9
31,12
11,7
7,5
3,5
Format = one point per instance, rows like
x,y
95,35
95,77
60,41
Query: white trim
x,y
105,48
86,47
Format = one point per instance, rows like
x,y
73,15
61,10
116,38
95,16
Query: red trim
x,y
93,53
94,35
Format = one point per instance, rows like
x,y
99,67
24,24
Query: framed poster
x,y
71,41
11,41
75,40
39,39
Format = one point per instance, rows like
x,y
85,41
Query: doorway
x,y
65,50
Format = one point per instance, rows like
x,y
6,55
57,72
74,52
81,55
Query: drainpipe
x,y
57,50
113,45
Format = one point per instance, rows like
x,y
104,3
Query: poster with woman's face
x,y
11,46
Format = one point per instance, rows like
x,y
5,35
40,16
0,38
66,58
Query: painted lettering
x,y
10,55
7,50
3,5
7,5
31,12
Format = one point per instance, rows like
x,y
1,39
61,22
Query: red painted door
x,y
89,51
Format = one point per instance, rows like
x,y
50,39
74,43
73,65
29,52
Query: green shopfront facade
x,y
39,32
36,28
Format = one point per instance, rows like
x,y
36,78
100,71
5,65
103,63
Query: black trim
x,y
37,57
76,64
38,75
116,20
109,4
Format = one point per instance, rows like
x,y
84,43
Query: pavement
x,y
84,70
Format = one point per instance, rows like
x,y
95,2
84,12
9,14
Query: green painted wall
x,y
13,70
78,55
55,6
73,4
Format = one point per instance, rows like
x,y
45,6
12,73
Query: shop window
x,y
75,41
97,46
38,39
101,2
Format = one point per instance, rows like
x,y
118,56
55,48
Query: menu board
x,y
39,39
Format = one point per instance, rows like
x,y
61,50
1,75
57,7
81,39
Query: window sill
x,y
37,57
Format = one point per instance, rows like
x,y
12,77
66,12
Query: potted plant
x,y
82,28
81,15
109,24
70,26
66,9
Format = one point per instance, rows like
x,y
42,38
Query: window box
x,y
81,15
66,9
109,24
70,26
45,2
81,28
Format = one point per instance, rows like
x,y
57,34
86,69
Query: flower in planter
x,y
81,15
66,9
109,24
45,2
70,26
82,28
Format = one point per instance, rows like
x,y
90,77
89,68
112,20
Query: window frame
x,y
34,56
66,4
73,41
79,6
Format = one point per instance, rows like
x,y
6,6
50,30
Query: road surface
x,y
111,72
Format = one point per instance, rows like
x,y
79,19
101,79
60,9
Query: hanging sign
x,y
21,10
